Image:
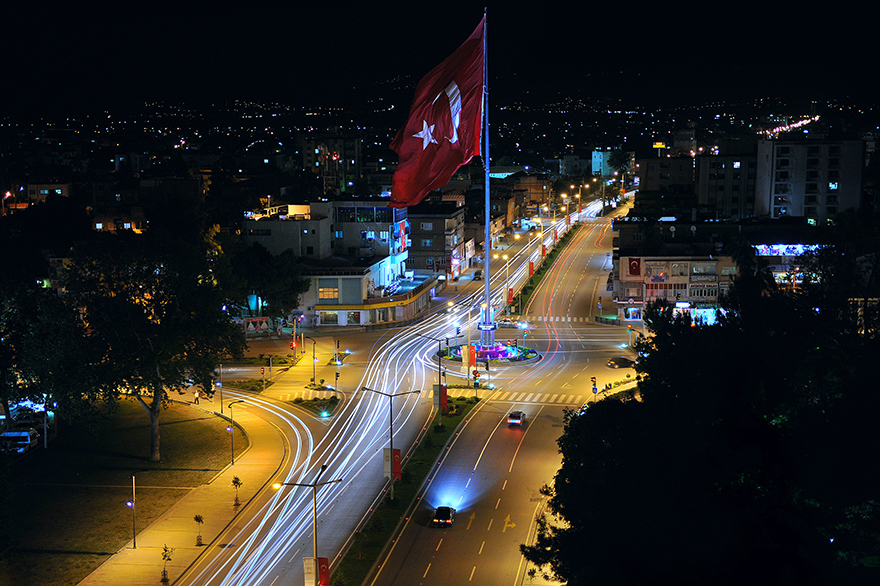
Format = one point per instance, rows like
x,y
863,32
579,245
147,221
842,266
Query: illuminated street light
x,y
232,430
391,425
314,486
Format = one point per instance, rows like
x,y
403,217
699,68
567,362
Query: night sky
x,y
74,56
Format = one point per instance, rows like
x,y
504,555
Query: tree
x,y
274,279
236,484
155,314
743,458
43,355
199,520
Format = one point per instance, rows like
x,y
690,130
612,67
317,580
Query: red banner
x,y
635,267
543,250
510,296
472,356
567,220
531,268
323,572
395,464
554,235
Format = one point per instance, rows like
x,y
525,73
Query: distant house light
x,y
99,226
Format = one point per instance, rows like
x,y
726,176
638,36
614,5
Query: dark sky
x,y
64,57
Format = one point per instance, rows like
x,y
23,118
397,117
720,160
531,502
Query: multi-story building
x,y
438,243
691,265
354,254
726,185
335,158
816,179
666,174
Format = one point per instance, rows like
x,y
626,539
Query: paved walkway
x,y
214,501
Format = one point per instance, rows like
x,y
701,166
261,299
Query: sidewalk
x,y
214,501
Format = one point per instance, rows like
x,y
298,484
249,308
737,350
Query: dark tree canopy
x,y
153,304
748,456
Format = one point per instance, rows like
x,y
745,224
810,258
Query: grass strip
x,y
64,507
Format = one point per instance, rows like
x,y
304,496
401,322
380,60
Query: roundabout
x,y
498,354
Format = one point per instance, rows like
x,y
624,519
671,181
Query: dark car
x,y
443,517
621,362
478,275
516,418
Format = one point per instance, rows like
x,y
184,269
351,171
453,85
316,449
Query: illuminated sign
x,y
784,249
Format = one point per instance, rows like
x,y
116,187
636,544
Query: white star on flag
x,y
426,135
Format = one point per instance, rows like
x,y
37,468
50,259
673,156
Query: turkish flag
x,y
395,464
323,572
635,267
442,132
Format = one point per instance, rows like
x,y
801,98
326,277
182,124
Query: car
x,y
621,362
516,418
519,324
443,517
478,275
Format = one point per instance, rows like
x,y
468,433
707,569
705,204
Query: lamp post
x,y
506,282
314,486
314,359
134,543
439,352
220,385
391,425
232,430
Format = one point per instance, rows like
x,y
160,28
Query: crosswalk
x,y
560,318
304,394
526,397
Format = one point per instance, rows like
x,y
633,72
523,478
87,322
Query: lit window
x,y
328,293
832,185
99,226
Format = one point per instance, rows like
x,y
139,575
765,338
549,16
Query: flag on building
x,y
443,131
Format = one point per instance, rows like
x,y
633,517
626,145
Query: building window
x,y
325,293
427,242
833,185
427,226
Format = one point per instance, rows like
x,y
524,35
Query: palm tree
x,y
236,484
199,519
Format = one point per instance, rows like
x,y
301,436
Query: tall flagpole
x,y
487,325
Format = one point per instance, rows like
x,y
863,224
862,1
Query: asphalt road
x,y
493,474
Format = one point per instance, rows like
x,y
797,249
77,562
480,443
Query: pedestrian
x,y
196,397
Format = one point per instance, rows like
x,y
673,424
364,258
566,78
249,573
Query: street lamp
x,y
134,543
391,425
314,359
439,352
506,282
314,486
232,430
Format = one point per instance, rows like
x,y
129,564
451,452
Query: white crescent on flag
x,y
452,92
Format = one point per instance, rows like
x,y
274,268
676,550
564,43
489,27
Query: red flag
x,y
323,572
443,130
395,464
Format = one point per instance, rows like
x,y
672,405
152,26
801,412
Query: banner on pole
x,y
531,268
440,397
323,572
510,296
